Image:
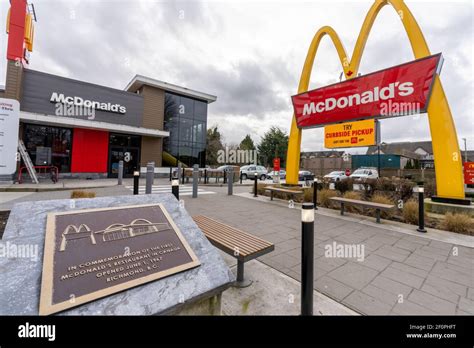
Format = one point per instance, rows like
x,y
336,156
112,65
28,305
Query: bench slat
x,y
227,238
277,189
364,203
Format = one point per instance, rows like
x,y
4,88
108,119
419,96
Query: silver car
x,y
248,172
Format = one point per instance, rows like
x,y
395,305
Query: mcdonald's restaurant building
x,y
85,129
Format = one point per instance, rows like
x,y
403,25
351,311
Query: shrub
x,y
323,197
344,185
410,211
458,222
308,194
352,195
430,187
405,188
382,199
385,184
82,194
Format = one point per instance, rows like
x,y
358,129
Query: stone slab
x,y
20,278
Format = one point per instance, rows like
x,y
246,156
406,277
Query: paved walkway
x,y
401,273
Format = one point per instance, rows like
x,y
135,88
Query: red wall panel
x,y
89,151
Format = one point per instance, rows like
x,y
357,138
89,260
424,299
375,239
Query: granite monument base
x,y
193,292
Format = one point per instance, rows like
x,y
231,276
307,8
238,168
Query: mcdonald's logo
x,y
447,157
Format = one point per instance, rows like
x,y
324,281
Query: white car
x,y
365,173
336,176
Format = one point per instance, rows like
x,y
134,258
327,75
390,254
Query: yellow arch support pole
x,y
447,157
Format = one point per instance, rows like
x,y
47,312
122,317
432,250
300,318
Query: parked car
x,y
365,173
304,175
273,173
226,167
248,172
336,176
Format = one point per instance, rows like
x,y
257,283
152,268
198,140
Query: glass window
x,y
186,107
125,140
49,146
185,130
199,131
171,106
186,120
200,110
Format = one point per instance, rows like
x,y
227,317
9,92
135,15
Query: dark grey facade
x,y
38,88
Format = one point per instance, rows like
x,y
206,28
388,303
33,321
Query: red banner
x,y
397,91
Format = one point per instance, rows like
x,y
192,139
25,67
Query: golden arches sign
x,y
447,157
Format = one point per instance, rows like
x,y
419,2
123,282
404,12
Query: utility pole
x,y
465,149
378,138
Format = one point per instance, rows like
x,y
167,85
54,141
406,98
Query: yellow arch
x,y
447,157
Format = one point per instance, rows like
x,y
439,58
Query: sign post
x,y
276,170
9,124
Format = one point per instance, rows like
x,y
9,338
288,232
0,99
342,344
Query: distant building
x,y
421,151
324,162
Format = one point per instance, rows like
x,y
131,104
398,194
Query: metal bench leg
x,y
377,215
241,282
342,208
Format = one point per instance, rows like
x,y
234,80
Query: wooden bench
x,y
239,244
377,206
283,190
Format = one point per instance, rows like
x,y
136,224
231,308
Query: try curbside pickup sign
x,y
397,91
361,133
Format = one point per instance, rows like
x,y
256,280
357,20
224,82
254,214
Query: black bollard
x,y
136,181
171,173
307,258
421,207
241,177
255,185
315,194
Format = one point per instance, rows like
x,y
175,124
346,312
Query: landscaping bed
x,y
398,192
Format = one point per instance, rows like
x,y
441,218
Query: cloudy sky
x,y
248,53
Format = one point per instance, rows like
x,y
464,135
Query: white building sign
x,y
9,123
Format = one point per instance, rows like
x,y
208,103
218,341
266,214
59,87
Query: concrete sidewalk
x,y
62,184
403,272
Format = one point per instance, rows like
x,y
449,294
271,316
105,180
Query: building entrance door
x,y
130,157
126,148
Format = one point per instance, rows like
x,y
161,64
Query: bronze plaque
x,y
92,253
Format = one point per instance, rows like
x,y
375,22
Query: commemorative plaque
x,y
92,253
